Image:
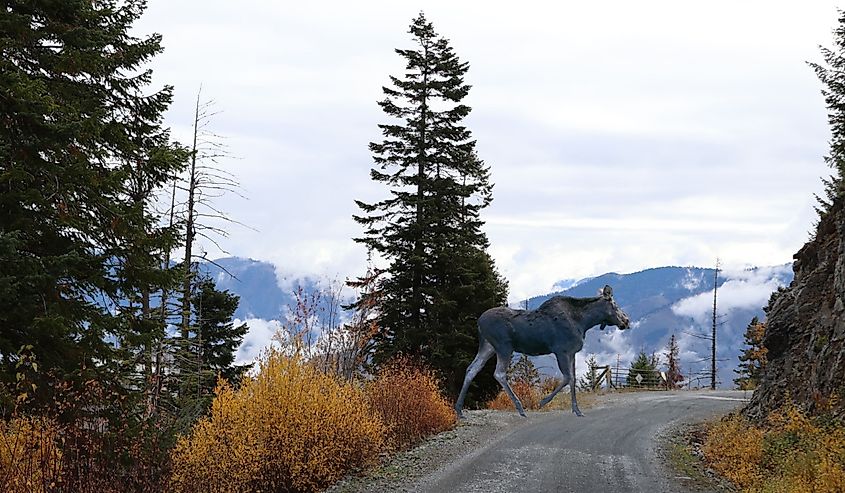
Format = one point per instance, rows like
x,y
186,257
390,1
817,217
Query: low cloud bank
x,y
745,289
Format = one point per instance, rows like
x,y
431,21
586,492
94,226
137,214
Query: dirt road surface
x,y
612,449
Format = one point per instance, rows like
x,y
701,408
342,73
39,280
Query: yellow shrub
x,y
733,449
291,428
408,400
30,460
793,452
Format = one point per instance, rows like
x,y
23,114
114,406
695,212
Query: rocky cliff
x,y
805,332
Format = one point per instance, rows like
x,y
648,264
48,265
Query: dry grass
x,y
407,399
291,428
791,452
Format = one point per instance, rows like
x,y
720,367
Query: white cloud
x,y
258,338
621,135
749,288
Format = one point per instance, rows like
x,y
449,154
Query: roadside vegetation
x,y
406,398
294,427
530,396
530,388
791,452
291,428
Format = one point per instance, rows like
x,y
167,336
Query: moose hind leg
x,y
485,351
501,374
563,364
572,387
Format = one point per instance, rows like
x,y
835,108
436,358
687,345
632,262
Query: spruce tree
x,y
590,379
77,122
673,368
212,344
753,359
522,369
832,75
439,277
646,367
139,256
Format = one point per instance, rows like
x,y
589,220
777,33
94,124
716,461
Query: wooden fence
x,y
609,377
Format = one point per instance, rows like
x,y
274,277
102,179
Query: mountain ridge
x,y
660,301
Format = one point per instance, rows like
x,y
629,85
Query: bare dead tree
x,y
203,184
331,336
713,337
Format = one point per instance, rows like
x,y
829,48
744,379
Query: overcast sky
x,y
621,135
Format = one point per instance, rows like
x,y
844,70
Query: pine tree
x,y
753,359
523,370
81,147
590,379
439,277
832,75
143,240
673,369
646,367
212,345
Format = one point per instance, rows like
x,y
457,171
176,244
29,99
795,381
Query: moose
x,y
557,327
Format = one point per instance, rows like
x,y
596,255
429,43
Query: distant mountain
x,y
660,301
258,284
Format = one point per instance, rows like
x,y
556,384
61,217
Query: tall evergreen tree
x,y
76,127
753,359
143,239
832,75
440,277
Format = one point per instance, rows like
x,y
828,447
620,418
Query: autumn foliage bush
x,y
531,395
290,428
85,439
30,458
406,397
790,452
528,394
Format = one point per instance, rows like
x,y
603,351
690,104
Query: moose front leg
x,y
572,387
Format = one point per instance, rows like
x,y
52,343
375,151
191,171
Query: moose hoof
x,y
578,413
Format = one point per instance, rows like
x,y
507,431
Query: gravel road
x,y
612,449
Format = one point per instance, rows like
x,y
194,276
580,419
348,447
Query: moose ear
x,y
607,292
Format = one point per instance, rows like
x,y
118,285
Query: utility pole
x,y
713,338
618,357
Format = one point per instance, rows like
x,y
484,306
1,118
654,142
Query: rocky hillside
x,y
806,327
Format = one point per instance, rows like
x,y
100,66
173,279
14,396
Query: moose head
x,y
613,315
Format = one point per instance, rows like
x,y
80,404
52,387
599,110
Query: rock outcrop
x,y
805,332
